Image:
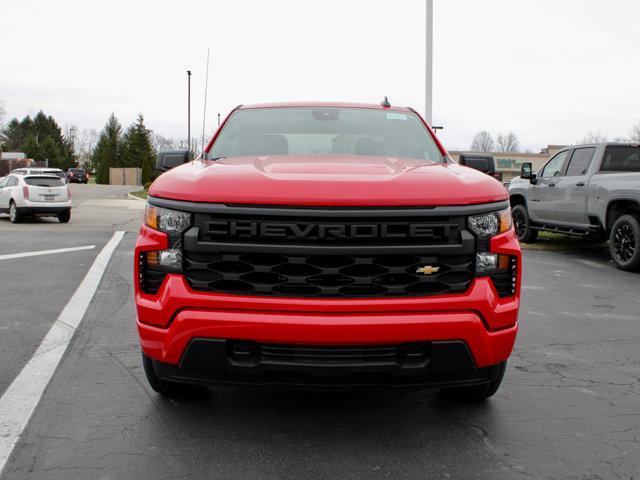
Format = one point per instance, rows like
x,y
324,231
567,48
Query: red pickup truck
x,y
326,246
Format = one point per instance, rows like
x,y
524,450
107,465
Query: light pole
x,y
206,88
428,80
189,110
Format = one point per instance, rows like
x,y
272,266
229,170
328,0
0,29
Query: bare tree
x,y
483,142
3,112
508,142
635,133
163,143
84,143
592,137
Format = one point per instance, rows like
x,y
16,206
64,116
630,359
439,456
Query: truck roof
x,y
321,105
597,144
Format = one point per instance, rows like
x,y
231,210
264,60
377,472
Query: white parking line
x,y
45,252
23,395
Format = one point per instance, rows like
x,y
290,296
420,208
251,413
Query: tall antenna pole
x,y
428,80
189,110
206,87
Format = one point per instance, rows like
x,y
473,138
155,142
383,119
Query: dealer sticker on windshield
x,y
396,116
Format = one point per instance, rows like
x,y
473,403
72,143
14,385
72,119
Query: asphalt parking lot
x,y
569,407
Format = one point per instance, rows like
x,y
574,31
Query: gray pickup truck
x,y
586,190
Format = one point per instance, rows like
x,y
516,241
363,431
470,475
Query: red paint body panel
x,y
167,345
336,180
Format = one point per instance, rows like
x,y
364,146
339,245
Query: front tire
x,y
14,215
624,243
522,224
477,393
166,388
65,216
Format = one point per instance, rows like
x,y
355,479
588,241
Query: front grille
x,y
327,275
349,230
357,355
329,254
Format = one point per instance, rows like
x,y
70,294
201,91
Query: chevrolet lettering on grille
x,y
316,231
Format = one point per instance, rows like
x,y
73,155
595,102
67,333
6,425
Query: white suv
x,y
35,195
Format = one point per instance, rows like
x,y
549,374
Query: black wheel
x,y
522,224
476,393
14,215
166,387
624,243
65,216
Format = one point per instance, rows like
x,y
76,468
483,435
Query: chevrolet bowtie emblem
x,y
428,270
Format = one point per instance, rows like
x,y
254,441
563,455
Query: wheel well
x,y
517,200
617,208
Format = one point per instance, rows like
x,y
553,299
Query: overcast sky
x,y
550,70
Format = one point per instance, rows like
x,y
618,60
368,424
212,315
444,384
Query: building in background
x,y
508,164
12,160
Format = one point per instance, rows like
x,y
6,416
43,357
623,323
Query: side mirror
x,y
484,163
172,158
526,172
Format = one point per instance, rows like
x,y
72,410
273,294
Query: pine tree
x,y
137,149
41,139
108,151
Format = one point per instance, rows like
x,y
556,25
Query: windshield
x,y
44,181
325,131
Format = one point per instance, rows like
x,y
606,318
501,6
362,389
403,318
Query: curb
x,y
133,197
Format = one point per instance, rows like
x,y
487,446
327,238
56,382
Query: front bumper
x,y
171,321
427,364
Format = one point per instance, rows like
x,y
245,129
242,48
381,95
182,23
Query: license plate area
x,y
49,198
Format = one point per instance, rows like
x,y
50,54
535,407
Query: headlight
x,y
501,269
489,224
168,221
154,265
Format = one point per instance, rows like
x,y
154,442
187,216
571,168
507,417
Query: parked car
x,y
587,190
46,171
326,245
38,195
77,175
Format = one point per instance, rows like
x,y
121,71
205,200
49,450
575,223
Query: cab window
x,y
621,159
580,161
554,167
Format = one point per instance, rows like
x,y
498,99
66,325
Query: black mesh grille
x,y
359,355
329,253
328,275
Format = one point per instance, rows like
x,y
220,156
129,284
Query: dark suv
x,y
77,175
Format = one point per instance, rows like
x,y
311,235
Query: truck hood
x,y
327,180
